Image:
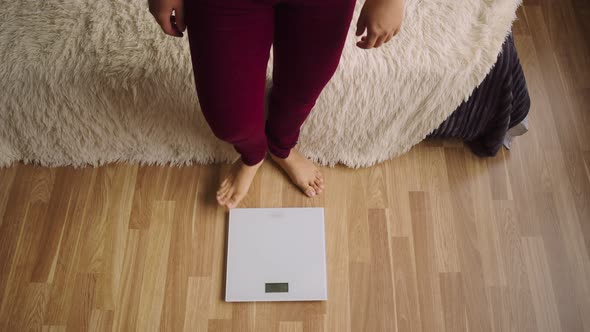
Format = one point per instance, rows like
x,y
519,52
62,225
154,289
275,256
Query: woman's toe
x,y
225,184
226,196
220,192
319,176
308,190
232,201
318,185
314,187
220,200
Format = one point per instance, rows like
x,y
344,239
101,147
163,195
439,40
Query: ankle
x,y
254,166
280,158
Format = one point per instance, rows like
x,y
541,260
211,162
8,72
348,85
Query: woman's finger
x,y
165,22
360,25
175,25
380,40
388,38
179,17
371,39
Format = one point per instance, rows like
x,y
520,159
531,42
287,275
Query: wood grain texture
x,y
434,240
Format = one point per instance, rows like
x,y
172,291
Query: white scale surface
x,y
276,254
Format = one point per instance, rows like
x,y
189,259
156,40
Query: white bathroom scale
x,y
276,254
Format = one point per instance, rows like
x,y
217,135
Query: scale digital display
x,y
281,287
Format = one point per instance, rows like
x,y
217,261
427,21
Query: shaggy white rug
x,y
93,82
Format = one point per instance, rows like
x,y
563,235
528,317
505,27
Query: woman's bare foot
x,y
236,183
302,171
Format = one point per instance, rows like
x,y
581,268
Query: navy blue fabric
x,y
499,103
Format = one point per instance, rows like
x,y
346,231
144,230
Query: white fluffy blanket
x,y
93,82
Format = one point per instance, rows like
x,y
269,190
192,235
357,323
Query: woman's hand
x,y
382,19
162,11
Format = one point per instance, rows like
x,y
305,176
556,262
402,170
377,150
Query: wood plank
x,y
516,303
337,254
407,305
83,302
427,276
181,257
197,300
560,273
541,287
153,283
483,215
120,189
125,317
478,311
453,301
291,327
27,312
8,177
377,295
205,220
64,246
101,320
359,249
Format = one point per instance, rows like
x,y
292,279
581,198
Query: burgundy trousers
x,y
230,43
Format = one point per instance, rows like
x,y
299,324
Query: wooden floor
x,y
435,240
